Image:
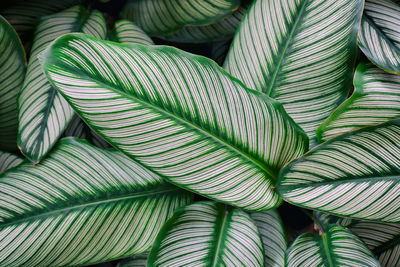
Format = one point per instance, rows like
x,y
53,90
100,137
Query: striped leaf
x,y
179,114
12,71
300,52
379,36
325,219
43,113
8,160
161,17
270,227
134,261
336,247
376,99
354,175
81,205
126,32
207,234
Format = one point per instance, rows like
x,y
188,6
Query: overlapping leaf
x,y
12,71
179,114
300,52
353,175
336,247
134,261
160,17
379,36
43,113
81,205
126,32
208,234
8,160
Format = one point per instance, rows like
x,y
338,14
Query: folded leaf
x,y
81,205
12,71
8,160
126,32
160,17
379,36
376,99
336,247
300,52
43,113
354,175
207,234
180,115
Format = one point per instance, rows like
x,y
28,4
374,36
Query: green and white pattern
x,y
354,175
336,247
379,36
12,72
134,261
126,32
160,17
43,113
376,99
300,52
272,233
8,160
208,234
81,205
179,114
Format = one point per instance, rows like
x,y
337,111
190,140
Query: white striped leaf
x,y
12,72
161,17
43,112
134,261
81,205
126,32
354,175
376,99
8,160
272,233
207,234
300,52
379,36
336,247
179,114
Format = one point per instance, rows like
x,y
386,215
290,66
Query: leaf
x,y
207,234
161,17
180,115
12,71
219,51
300,52
376,99
134,261
354,175
81,205
270,226
326,219
8,160
336,247
126,32
379,36
43,113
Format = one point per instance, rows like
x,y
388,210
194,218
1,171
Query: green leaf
x,y
8,160
81,205
379,36
180,115
12,71
43,113
354,175
126,32
376,99
134,261
325,219
219,51
207,234
300,52
270,226
161,17
336,247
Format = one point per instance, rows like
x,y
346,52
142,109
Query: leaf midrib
x,y
325,247
220,239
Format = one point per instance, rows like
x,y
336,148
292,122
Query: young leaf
x,y
207,234
12,71
161,17
180,115
336,247
8,160
376,99
300,52
43,113
354,175
379,36
126,32
81,205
